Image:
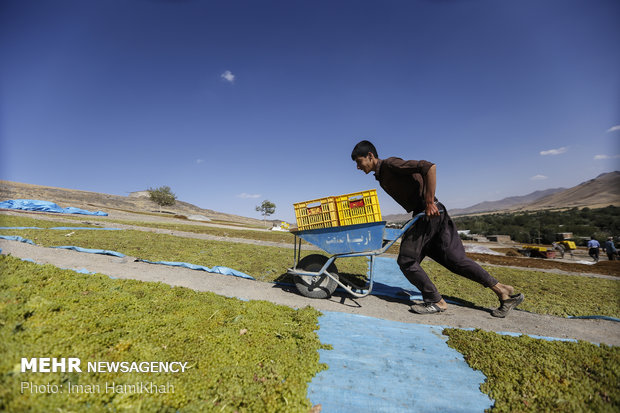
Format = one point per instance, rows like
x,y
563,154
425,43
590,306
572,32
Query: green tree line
x,y
542,226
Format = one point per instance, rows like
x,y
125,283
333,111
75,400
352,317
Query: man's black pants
x,y
437,238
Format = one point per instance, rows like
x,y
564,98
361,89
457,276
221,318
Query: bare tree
x,y
266,208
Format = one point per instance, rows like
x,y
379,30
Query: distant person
x,y
570,251
412,184
610,249
559,248
593,248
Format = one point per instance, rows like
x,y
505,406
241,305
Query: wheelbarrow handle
x,y
415,218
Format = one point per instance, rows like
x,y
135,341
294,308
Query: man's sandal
x,y
426,308
507,305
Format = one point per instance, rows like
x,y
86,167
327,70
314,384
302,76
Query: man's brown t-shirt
x,y
404,181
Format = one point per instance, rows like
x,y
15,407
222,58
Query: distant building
x,y
499,238
139,194
561,236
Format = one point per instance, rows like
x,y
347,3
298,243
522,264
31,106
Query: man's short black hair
x,y
362,149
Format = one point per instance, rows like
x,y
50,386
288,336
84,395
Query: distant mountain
x,y
506,203
599,192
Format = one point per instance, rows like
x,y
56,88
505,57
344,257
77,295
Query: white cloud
x,y
228,76
614,128
538,178
601,157
199,161
557,151
248,196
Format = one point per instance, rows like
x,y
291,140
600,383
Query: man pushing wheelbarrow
x,y
412,185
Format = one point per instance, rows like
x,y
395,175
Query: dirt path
x,y
597,331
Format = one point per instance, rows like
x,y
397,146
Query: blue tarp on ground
x,y
20,228
16,238
389,280
388,366
92,251
67,228
217,269
45,206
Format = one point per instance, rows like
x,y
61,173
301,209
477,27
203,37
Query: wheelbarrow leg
x,y
371,272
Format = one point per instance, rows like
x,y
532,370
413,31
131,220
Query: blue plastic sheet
x,y
217,269
91,251
16,238
20,228
389,366
67,228
596,317
81,271
389,281
45,206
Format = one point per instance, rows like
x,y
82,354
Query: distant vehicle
x,y
537,251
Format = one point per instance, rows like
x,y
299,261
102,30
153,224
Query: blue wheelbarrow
x,y
316,275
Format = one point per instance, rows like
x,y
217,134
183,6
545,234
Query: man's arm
x,y
430,183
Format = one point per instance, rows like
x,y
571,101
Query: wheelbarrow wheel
x,y
320,286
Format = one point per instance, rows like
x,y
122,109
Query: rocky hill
x,y
506,203
105,202
601,191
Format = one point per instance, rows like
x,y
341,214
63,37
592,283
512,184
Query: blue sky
x,y
230,103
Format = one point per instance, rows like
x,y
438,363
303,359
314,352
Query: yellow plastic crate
x,y
569,244
317,213
358,208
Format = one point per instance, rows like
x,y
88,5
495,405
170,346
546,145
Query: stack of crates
x,y
333,211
